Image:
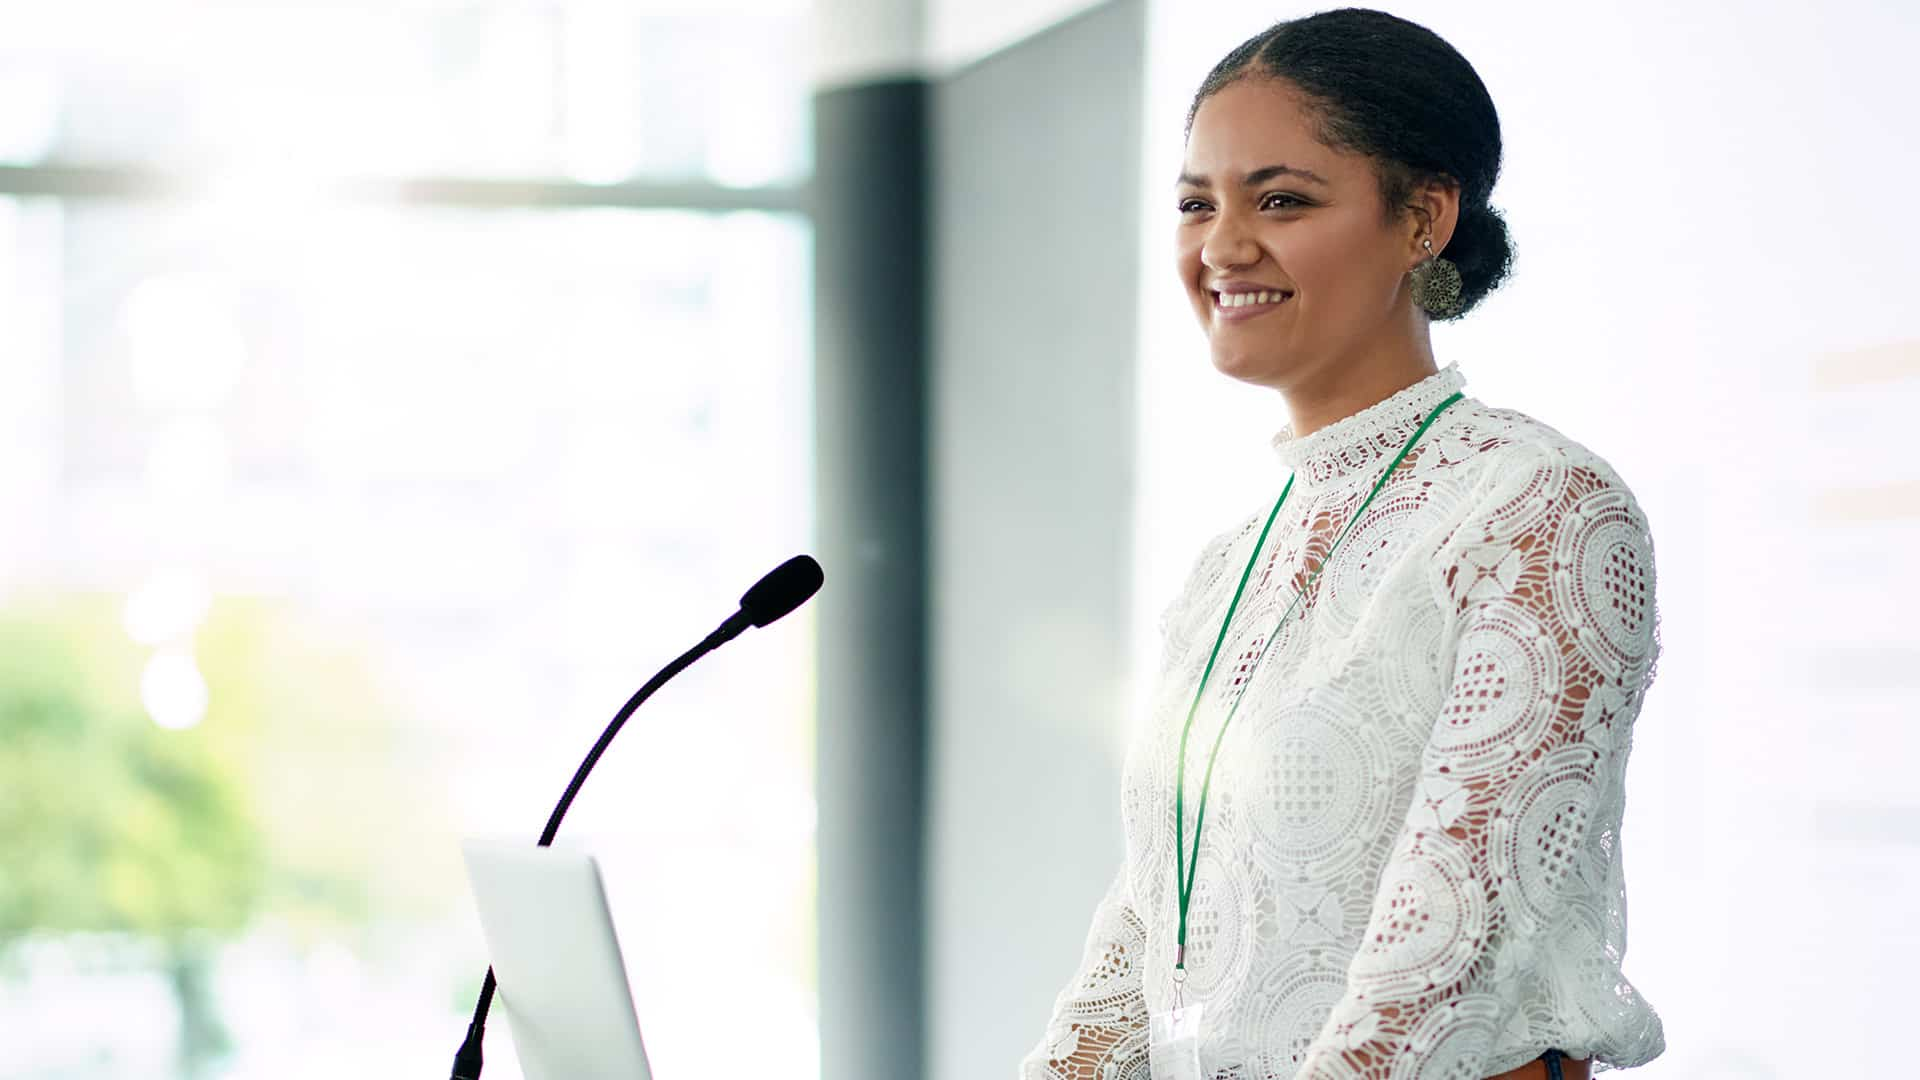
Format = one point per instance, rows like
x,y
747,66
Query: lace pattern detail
x,y
1411,865
1368,439
1099,1025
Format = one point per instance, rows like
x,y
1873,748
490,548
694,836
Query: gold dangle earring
x,y
1436,284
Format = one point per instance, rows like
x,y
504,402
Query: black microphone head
x,y
788,586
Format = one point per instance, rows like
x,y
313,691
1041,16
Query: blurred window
x,y
358,518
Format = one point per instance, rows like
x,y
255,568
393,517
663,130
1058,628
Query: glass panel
x,y
592,91
346,530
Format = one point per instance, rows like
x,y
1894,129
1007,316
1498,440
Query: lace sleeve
x,y
1551,587
1098,1030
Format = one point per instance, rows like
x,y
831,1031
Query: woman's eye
x,y
1191,206
1275,201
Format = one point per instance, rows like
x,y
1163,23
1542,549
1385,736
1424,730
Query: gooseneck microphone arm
x,y
467,1062
788,586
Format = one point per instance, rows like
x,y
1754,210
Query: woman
x,y
1373,827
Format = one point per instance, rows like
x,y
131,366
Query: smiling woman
x,y
1280,196
1372,823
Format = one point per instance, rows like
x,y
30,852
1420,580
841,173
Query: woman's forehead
x,y
1252,125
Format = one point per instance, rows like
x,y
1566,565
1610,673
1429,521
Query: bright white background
x,y
1713,290
512,458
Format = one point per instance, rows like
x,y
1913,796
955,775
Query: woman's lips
x,y
1242,312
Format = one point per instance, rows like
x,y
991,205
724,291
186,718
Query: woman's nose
x,y
1228,244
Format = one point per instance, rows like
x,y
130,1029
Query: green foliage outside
x,y
286,799
108,822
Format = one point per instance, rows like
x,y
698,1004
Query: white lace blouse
x,y
1411,859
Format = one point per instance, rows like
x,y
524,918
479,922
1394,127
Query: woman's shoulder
x,y
1499,448
1214,560
1548,508
1213,571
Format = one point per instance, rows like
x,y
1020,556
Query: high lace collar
x,y
1372,435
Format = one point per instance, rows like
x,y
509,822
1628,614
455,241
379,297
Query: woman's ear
x,y
1436,211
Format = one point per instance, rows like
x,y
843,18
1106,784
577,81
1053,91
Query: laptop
x,y
562,984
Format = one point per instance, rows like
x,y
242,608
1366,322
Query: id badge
x,y
1174,1053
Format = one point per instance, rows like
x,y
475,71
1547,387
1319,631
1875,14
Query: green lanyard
x,y
1184,871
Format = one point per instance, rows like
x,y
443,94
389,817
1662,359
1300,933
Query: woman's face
x,y
1281,243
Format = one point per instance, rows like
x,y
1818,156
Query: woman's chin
x,y
1245,366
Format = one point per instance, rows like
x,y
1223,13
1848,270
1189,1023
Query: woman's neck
x,y
1339,393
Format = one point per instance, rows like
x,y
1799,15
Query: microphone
x,y
783,589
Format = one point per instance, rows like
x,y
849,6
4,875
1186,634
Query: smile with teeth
x,y
1248,299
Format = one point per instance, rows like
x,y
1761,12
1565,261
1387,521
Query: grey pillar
x,y
870,356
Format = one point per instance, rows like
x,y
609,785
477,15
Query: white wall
x,y
1032,414
960,32
863,40
857,41
1712,290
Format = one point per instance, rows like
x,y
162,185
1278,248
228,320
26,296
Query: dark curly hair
x,y
1393,90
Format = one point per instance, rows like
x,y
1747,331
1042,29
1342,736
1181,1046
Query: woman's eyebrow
x,y
1257,176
